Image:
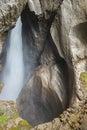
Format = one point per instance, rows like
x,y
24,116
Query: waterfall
x,y
13,71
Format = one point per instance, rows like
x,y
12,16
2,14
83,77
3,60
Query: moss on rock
x,y
83,79
9,118
3,117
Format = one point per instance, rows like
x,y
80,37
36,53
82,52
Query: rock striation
x,y
64,22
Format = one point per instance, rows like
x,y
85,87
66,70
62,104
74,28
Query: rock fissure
x,y
54,72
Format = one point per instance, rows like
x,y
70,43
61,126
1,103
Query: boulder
x,y
9,118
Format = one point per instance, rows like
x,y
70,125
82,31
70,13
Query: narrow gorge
x,y
43,58
33,71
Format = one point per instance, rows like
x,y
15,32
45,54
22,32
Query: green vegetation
x,y
22,125
83,79
3,117
54,8
9,118
61,116
1,112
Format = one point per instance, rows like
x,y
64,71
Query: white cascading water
x,y
13,72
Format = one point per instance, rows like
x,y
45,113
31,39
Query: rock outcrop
x,y
9,118
65,21
74,118
9,12
69,31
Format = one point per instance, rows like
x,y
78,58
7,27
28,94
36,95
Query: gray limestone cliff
x,y
54,35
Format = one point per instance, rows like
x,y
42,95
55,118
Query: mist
x,y
13,70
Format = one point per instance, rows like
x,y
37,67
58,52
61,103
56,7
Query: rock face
x,y
73,119
54,35
44,7
34,35
69,33
42,99
9,118
7,11
43,71
7,17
